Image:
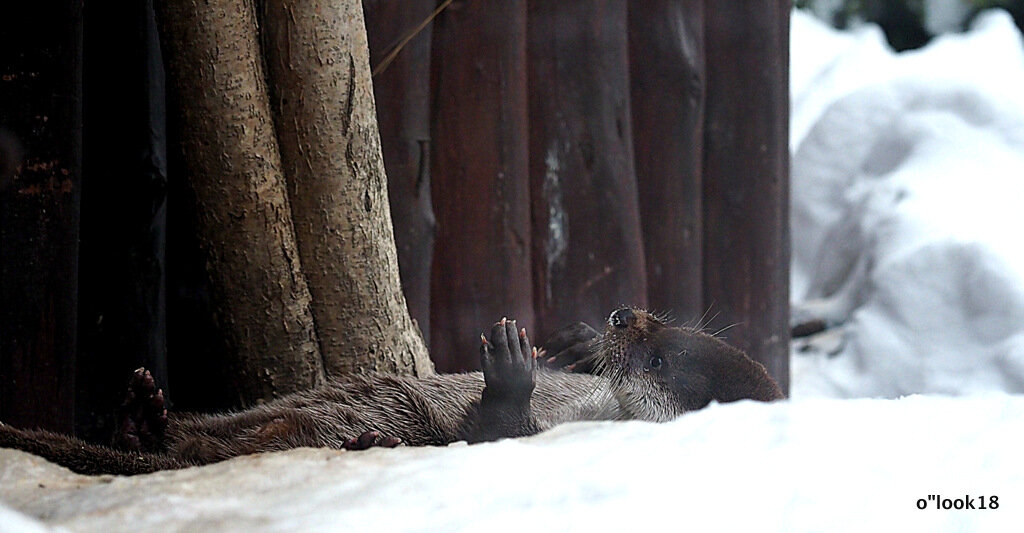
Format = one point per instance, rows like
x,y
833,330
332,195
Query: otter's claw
x,y
371,439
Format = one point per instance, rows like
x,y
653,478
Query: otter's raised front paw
x,y
371,439
571,348
142,418
509,362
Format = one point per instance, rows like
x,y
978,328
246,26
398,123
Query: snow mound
x,y
907,183
812,465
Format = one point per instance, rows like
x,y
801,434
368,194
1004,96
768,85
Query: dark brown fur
x,y
693,370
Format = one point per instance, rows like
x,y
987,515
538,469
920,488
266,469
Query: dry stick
x,y
390,57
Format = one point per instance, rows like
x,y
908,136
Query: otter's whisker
x,y
665,317
730,326
697,324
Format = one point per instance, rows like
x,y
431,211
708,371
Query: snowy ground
x,y
812,465
907,183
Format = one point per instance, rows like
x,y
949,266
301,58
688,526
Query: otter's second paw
x,y
142,418
509,363
571,348
371,439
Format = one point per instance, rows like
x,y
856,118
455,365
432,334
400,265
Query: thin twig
x,y
390,58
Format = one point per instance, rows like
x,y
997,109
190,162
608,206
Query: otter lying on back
x,y
645,370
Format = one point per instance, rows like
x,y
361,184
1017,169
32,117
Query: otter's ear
x,y
570,348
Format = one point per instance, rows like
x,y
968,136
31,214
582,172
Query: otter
x,y
643,369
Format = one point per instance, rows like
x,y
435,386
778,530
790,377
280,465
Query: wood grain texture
x,y
402,93
588,254
481,268
666,49
746,178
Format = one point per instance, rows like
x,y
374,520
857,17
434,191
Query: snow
x,y
810,465
908,175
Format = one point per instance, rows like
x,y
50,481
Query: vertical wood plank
x,y
402,93
40,87
588,255
481,268
746,177
666,48
122,321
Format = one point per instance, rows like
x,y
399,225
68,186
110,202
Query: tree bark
x,y
227,136
318,61
746,177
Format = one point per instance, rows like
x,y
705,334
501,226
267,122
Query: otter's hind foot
x,y
142,418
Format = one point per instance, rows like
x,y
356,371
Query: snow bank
x,y
813,465
907,191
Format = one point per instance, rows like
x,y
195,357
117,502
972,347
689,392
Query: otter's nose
x,y
621,318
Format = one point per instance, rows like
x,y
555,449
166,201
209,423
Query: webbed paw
x,y
571,348
509,362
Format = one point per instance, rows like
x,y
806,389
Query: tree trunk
x,y
319,67
233,164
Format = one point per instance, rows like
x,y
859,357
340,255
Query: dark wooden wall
x,y
666,49
480,161
40,105
589,154
588,255
547,161
746,177
122,304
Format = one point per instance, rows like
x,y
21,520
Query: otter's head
x,y
659,372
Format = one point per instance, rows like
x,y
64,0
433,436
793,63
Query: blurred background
x,y
907,135
908,24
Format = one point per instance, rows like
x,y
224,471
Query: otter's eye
x,y
655,362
